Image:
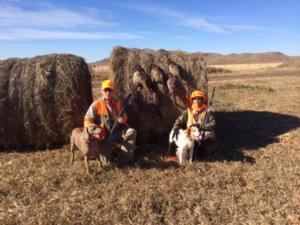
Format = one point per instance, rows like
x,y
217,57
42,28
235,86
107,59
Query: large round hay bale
x,y
160,82
42,99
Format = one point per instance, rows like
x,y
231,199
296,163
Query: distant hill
x,y
100,62
266,57
217,59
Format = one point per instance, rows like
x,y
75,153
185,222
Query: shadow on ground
x,y
235,132
152,156
248,130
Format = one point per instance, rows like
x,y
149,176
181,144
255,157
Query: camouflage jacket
x,y
186,119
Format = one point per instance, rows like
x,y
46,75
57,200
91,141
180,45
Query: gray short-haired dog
x,y
87,141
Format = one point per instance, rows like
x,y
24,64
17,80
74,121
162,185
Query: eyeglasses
x,y
107,90
198,99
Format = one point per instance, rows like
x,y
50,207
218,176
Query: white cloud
x,y
202,24
242,27
12,16
186,38
179,18
183,19
5,37
36,34
49,22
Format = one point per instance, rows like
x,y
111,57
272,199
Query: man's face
x,y
107,93
198,100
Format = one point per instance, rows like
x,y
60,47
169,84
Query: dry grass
x,y
99,73
253,178
247,66
101,69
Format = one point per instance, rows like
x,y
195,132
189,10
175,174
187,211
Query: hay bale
x,y
42,99
161,82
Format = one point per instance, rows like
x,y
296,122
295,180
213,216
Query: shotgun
x,y
207,115
112,136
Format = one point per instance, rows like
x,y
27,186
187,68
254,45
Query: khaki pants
x,y
125,147
208,145
105,152
209,142
127,142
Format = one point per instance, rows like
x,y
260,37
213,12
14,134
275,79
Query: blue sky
x,y
92,28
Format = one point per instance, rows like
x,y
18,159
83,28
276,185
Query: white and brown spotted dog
x,y
185,143
87,141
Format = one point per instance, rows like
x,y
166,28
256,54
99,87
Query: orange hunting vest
x,y
103,117
192,120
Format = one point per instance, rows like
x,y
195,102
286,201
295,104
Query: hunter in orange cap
x,y
198,101
107,112
194,115
107,84
197,94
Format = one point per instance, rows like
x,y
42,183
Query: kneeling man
x,y
104,112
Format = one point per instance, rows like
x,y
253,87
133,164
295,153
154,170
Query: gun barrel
x,y
212,95
207,113
124,105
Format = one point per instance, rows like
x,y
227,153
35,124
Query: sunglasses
x,y
107,90
198,99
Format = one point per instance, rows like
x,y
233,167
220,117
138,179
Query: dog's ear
x,y
90,128
86,133
97,130
188,131
94,129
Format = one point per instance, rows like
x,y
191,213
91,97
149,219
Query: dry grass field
x,y
99,73
247,66
102,69
252,178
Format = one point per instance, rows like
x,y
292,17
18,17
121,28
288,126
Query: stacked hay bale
x,y
160,82
42,99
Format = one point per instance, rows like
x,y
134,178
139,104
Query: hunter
x,y
105,113
195,114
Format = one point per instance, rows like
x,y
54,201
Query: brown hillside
x,y
102,62
215,58
266,57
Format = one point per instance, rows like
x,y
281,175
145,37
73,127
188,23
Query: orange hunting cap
x,y
108,84
197,94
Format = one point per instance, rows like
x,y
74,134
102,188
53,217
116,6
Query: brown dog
x,y
87,141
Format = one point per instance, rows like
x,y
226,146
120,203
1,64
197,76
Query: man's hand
x,y
120,120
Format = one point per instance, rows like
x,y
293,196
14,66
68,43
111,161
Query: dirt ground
x,y
252,178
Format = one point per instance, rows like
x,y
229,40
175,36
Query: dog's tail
x,y
169,148
171,140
